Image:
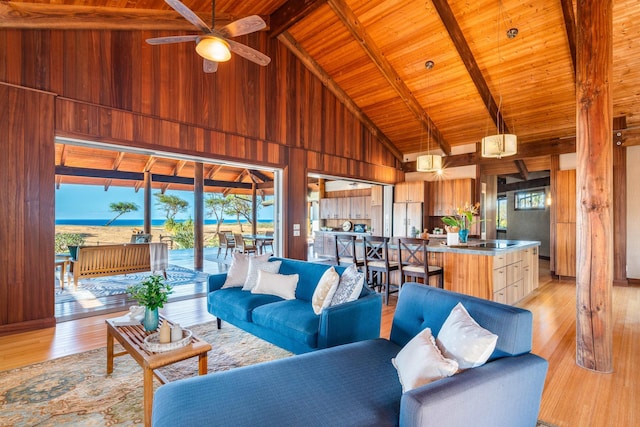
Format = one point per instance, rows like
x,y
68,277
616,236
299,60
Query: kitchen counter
x,y
482,247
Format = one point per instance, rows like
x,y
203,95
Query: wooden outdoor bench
x,y
111,260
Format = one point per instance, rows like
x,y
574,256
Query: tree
x,y
241,208
216,205
172,205
121,208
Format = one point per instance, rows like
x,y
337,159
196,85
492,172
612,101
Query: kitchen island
x,y
500,270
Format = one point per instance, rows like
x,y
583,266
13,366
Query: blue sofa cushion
x,y
310,274
238,304
292,318
296,391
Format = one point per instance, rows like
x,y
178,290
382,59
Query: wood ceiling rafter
x,y
176,170
76,17
315,68
352,23
290,13
214,170
523,173
461,45
239,178
115,166
570,28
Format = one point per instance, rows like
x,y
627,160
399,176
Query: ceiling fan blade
x,y
171,39
209,66
188,14
249,53
243,26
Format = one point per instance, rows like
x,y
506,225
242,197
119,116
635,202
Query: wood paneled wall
x,y
112,87
27,209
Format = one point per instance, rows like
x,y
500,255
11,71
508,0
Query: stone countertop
x,y
344,233
483,247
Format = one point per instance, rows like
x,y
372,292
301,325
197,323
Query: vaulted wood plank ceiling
x,y
374,53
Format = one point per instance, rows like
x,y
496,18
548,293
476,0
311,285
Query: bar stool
x,y
346,251
377,264
412,254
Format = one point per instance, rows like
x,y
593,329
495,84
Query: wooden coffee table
x,y
132,339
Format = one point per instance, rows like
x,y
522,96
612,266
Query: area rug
x,y
116,285
76,391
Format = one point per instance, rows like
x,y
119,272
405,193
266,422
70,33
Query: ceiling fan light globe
x,y
214,49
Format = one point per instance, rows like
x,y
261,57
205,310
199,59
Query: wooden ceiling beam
x,y
461,45
523,173
74,17
214,170
260,175
570,29
290,13
352,23
338,92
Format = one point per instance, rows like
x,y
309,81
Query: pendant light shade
x,y
498,146
428,163
213,48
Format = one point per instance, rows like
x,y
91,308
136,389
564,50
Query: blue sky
x,y
92,202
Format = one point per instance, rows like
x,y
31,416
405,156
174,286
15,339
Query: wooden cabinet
x,y
447,195
565,208
530,270
511,275
328,208
352,208
407,216
377,195
360,207
411,191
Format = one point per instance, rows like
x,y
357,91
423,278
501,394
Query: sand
x,y
94,235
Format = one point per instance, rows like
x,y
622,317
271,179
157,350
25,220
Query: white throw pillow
x,y
350,286
462,339
420,362
237,274
281,285
325,289
255,265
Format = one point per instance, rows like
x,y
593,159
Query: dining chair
x,y
225,243
413,258
242,245
346,253
378,266
263,243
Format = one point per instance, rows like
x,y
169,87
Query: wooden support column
x,y
198,216
619,205
594,183
295,207
147,202
254,208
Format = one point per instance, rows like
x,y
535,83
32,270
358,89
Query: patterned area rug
x,y
116,285
76,391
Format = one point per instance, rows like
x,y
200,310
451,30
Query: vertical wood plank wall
x,y
111,87
26,209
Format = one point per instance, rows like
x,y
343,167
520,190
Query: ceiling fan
x,y
214,45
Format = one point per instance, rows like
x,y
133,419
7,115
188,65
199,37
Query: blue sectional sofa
x,y
357,385
292,324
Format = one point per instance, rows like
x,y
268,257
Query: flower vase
x,y
463,235
151,319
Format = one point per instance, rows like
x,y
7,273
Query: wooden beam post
x,y
198,216
147,202
594,184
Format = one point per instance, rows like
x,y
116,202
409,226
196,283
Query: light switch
x,y
296,233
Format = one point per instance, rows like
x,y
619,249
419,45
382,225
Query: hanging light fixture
x,y
502,144
428,162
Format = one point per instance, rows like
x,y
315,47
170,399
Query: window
x,y
530,200
501,220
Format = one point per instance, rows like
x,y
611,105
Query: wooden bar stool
x,y
412,255
378,266
346,251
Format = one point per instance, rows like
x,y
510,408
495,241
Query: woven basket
x,y
152,342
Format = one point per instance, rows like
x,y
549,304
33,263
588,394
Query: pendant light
x,y
501,144
428,162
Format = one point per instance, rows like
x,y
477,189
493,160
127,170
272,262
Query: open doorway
x,y
101,199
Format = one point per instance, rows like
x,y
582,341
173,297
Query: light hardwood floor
x,y
573,396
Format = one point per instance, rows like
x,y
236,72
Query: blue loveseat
x,y
292,324
357,385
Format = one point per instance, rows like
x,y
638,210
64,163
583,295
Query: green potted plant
x,y
152,293
461,220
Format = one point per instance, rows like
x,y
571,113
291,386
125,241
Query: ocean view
x,y
140,222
